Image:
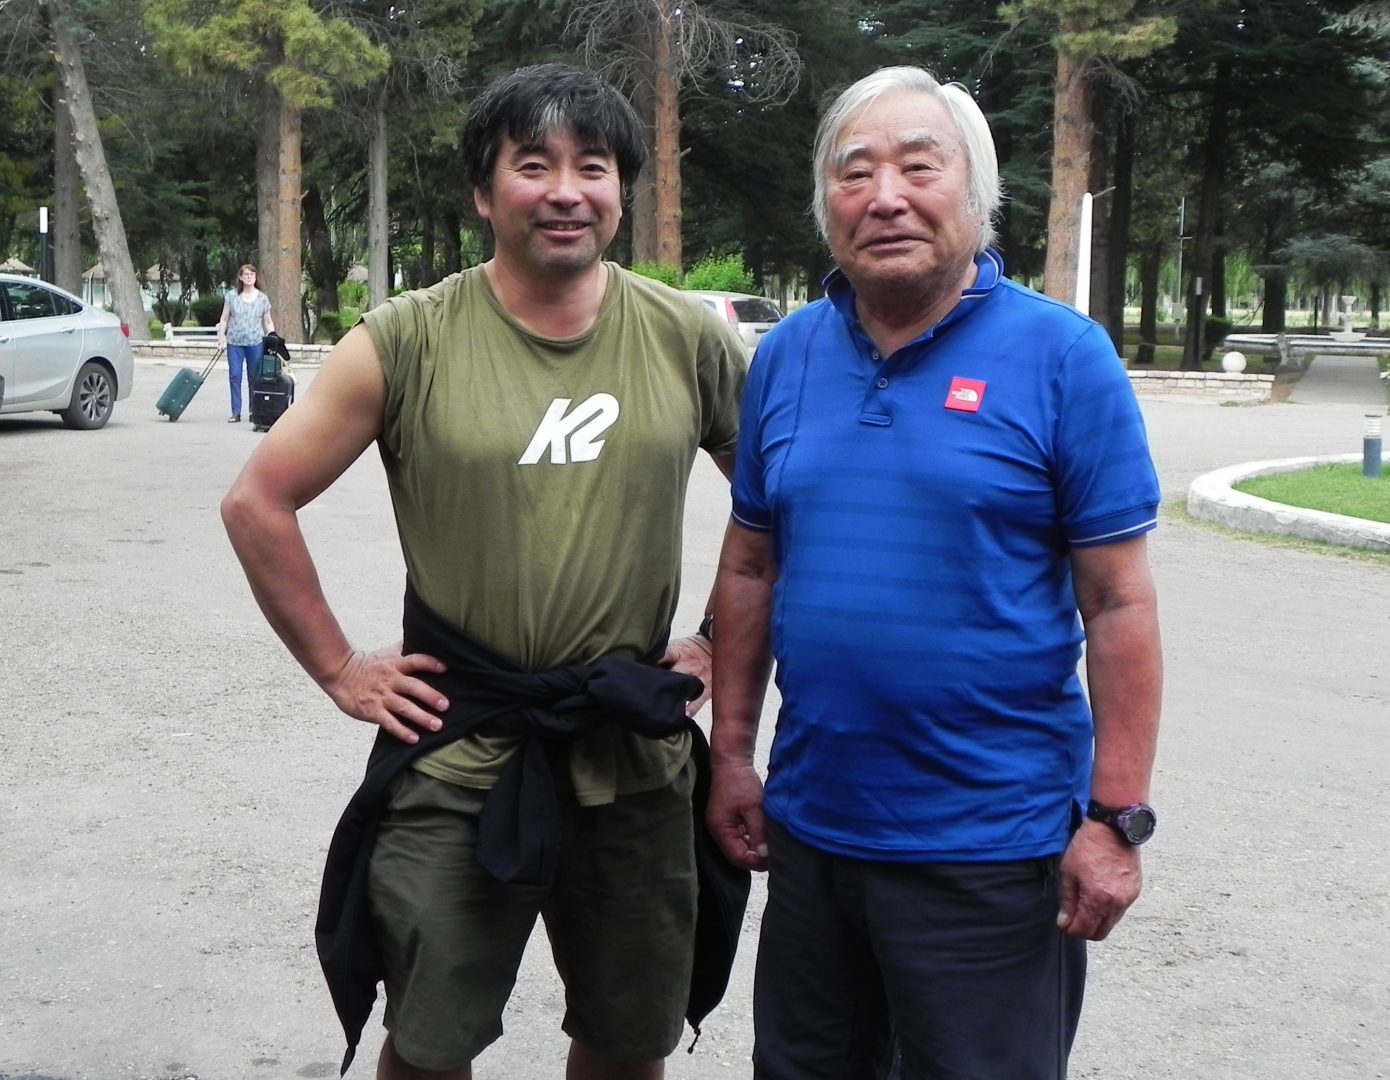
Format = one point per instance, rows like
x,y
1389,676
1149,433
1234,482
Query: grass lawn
x,y
1169,358
1335,489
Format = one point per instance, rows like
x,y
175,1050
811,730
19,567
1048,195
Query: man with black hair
x,y
538,417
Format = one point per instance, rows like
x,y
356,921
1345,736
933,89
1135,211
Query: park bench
x,y
195,333
1298,347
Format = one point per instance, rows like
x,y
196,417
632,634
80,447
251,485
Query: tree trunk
x,y
1098,169
278,177
425,274
1219,300
378,239
1274,301
288,255
666,123
1071,149
67,202
1275,316
1204,234
267,191
323,269
1150,263
76,98
643,213
452,241
1121,209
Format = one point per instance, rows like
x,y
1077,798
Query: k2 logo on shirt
x,y
965,395
572,436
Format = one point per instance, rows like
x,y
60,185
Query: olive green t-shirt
x,y
539,486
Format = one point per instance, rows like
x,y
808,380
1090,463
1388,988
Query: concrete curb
x,y
1212,498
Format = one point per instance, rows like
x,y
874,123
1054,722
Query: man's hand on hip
x,y
381,688
691,656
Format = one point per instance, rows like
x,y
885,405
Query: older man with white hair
x,y
942,488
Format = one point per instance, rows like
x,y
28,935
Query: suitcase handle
x,y
213,362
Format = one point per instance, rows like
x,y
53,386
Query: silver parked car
x,y
751,316
60,355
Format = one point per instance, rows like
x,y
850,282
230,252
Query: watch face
x,y
1137,823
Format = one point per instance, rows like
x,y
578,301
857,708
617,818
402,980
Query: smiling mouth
x,y
564,226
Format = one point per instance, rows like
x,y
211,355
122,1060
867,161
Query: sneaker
x,y
234,419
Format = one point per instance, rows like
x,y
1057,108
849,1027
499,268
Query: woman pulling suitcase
x,y
242,328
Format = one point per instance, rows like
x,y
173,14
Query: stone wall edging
x,y
200,352
1224,384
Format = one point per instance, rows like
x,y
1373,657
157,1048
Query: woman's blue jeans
x,y
249,357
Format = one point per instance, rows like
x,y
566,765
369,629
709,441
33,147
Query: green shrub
x,y
720,273
206,310
334,324
170,311
658,272
352,294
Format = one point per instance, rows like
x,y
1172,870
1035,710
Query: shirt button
x,y
883,384
875,356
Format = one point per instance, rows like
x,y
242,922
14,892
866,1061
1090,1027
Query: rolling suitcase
x,y
181,390
271,395
273,391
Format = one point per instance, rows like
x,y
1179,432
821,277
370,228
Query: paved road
x,y
169,780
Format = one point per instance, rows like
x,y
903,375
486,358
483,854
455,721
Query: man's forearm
x,y
742,663
285,583
1124,675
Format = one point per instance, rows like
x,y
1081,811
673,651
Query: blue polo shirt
x,y
923,507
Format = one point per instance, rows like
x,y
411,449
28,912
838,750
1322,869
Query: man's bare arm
x,y
742,663
309,447
1101,874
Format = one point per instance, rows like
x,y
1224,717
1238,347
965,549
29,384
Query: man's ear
x,y
482,202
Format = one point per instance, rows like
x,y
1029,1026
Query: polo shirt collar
x,y
989,272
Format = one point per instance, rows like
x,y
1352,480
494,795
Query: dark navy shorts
x,y
913,970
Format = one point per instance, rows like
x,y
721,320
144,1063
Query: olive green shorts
x,y
620,915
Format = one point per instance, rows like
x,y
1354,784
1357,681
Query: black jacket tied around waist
x,y
516,829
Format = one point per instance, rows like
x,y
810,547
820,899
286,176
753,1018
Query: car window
x,y
756,311
30,301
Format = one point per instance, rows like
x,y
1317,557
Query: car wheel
x,y
93,398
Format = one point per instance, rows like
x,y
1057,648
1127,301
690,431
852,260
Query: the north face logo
x,y
573,436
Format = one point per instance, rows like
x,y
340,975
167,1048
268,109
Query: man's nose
x,y
564,190
887,190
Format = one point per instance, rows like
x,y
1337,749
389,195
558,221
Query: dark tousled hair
x,y
532,101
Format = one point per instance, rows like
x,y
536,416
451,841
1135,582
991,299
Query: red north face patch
x,y
965,394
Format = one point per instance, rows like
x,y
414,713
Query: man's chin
x,y
567,265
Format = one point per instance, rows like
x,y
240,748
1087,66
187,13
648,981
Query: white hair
x,y
983,192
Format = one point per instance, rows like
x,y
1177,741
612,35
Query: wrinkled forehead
x,y
900,120
852,144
